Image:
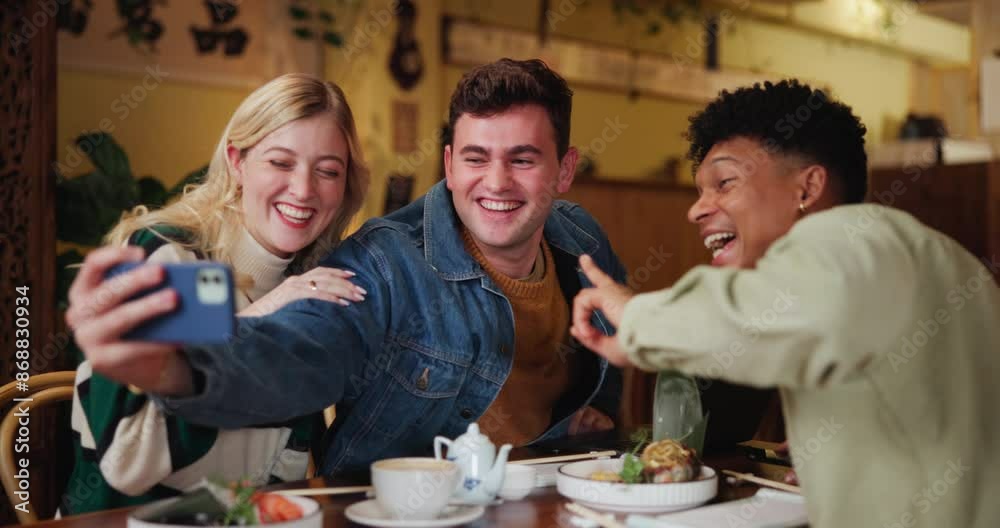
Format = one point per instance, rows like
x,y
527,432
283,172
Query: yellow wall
x,y
169,133
876,83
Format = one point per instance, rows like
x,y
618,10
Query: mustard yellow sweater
x,y
541,371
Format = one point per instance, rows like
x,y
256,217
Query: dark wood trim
x,y
27,225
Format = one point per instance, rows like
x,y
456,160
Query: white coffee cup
x,y
414,488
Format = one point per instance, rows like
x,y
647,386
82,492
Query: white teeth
x,y
495,205
717,241
295,212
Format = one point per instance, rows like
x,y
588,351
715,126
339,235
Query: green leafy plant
x,y
89,205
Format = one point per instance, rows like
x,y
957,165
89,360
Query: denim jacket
x,y
425,354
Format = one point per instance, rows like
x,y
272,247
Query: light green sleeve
x,y
824,302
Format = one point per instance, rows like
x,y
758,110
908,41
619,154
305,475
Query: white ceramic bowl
x,y
312,517
574,483
518,481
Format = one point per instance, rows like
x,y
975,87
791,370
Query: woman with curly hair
x,y
880,333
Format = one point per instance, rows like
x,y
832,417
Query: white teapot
x,y
482,468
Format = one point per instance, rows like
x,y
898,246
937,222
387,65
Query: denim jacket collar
x,y
445,251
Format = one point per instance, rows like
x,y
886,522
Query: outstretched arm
x,y
818,308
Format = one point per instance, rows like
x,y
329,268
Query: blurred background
x,y
643,63
105,104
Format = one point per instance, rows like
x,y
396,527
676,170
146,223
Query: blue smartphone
x,y
206,310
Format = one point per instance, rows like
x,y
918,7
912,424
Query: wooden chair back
x,y
44,389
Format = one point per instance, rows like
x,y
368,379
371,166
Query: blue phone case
x,y
206,305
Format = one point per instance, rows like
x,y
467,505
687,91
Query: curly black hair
x,y
788,118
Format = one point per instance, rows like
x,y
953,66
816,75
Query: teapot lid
x,y
473,437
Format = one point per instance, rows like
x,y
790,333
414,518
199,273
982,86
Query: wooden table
x,y
543,508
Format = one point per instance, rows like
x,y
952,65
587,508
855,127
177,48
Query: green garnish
x,y
242,512
632,468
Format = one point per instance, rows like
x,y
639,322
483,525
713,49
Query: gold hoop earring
x,y
802,207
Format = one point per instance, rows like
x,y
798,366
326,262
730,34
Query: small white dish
x,y
368,513
574,483
518,481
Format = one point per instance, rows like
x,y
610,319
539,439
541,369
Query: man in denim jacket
x,y
467,312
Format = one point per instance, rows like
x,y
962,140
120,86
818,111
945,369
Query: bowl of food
x,y
212,505
666,477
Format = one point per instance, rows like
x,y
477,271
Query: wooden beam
x,y
469,43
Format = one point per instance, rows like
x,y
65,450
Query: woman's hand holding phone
x,y
102,311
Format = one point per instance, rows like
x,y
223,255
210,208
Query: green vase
x,y
677,412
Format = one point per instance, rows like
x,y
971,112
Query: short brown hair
x,y
493,88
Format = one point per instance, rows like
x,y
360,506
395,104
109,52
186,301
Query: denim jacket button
x,y
466,413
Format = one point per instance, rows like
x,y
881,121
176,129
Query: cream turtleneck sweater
x,y
265,268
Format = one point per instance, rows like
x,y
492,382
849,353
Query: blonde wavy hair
x,y
210,213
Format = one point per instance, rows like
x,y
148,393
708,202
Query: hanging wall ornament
x,y
72,18
406,64
223,32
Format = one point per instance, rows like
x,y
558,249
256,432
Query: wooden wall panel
x,y
643,221
27,220
962,201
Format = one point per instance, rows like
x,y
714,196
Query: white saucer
x,y
368,513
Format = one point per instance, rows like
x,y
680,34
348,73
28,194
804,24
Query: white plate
x,y
368,513
573,483
312,517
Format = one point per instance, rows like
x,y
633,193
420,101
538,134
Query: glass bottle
x,y
677,412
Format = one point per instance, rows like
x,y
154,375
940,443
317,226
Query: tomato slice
x,y
275,508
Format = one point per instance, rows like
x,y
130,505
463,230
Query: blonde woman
x,y
284,182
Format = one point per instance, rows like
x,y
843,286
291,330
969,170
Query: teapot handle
x,y
438,442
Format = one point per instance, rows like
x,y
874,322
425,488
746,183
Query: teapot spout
x,y
494,480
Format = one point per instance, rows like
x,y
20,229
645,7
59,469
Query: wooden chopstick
x,y
342,490
606,521
763,481
565,458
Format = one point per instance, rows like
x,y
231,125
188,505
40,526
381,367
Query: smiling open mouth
x,y
294,215
717,242
502,206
